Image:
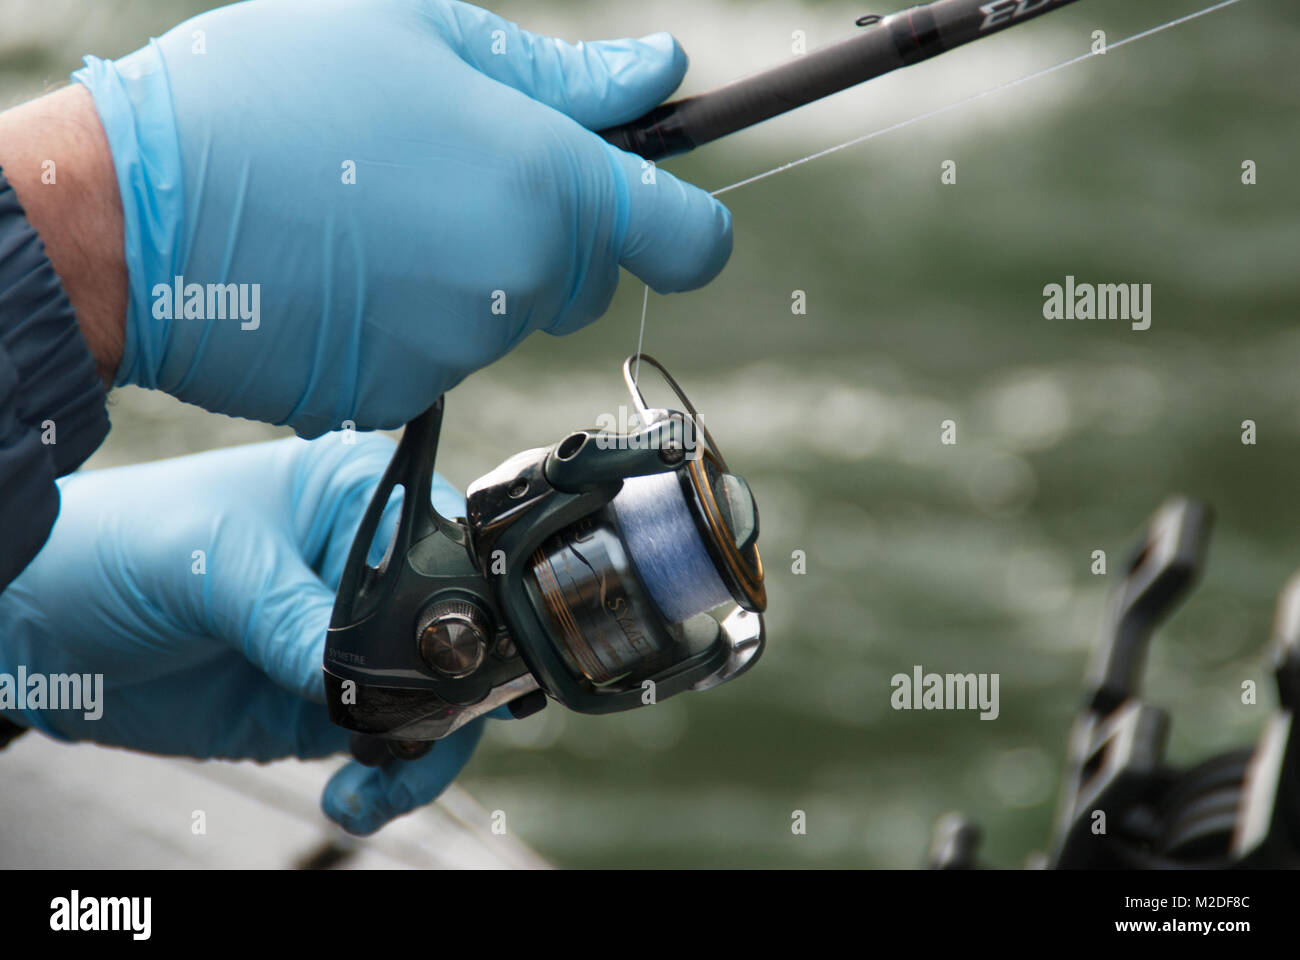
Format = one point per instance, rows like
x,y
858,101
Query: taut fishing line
x,y
971,99
1035,75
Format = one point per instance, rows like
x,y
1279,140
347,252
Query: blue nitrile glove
x,y
201,589
413,186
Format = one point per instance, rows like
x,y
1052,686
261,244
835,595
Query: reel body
x,y
565,580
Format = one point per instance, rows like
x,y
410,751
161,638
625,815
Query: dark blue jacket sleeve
x,y
52,404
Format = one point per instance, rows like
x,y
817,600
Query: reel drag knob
x,y
453,637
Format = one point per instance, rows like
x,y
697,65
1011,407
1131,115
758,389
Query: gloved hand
x,y
218,653
413,184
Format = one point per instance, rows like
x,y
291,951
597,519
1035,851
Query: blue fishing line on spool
x,y
666,548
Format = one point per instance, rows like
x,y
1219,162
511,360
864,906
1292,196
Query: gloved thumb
x,y
598,84
678,237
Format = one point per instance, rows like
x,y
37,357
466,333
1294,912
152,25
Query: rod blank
x,y
897,40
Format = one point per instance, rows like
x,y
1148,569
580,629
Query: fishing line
x,y
640,337
664,542
1037,74
971,99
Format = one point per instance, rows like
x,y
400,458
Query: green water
x,y
924,304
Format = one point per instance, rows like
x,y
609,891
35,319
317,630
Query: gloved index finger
x,y
362,799
268,604
598,84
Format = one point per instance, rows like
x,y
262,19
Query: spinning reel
x,y
608,571
1240,809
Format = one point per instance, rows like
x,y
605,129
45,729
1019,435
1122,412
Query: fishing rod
x,y
897,40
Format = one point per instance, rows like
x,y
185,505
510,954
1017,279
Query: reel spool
x,y
587,572
669,547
